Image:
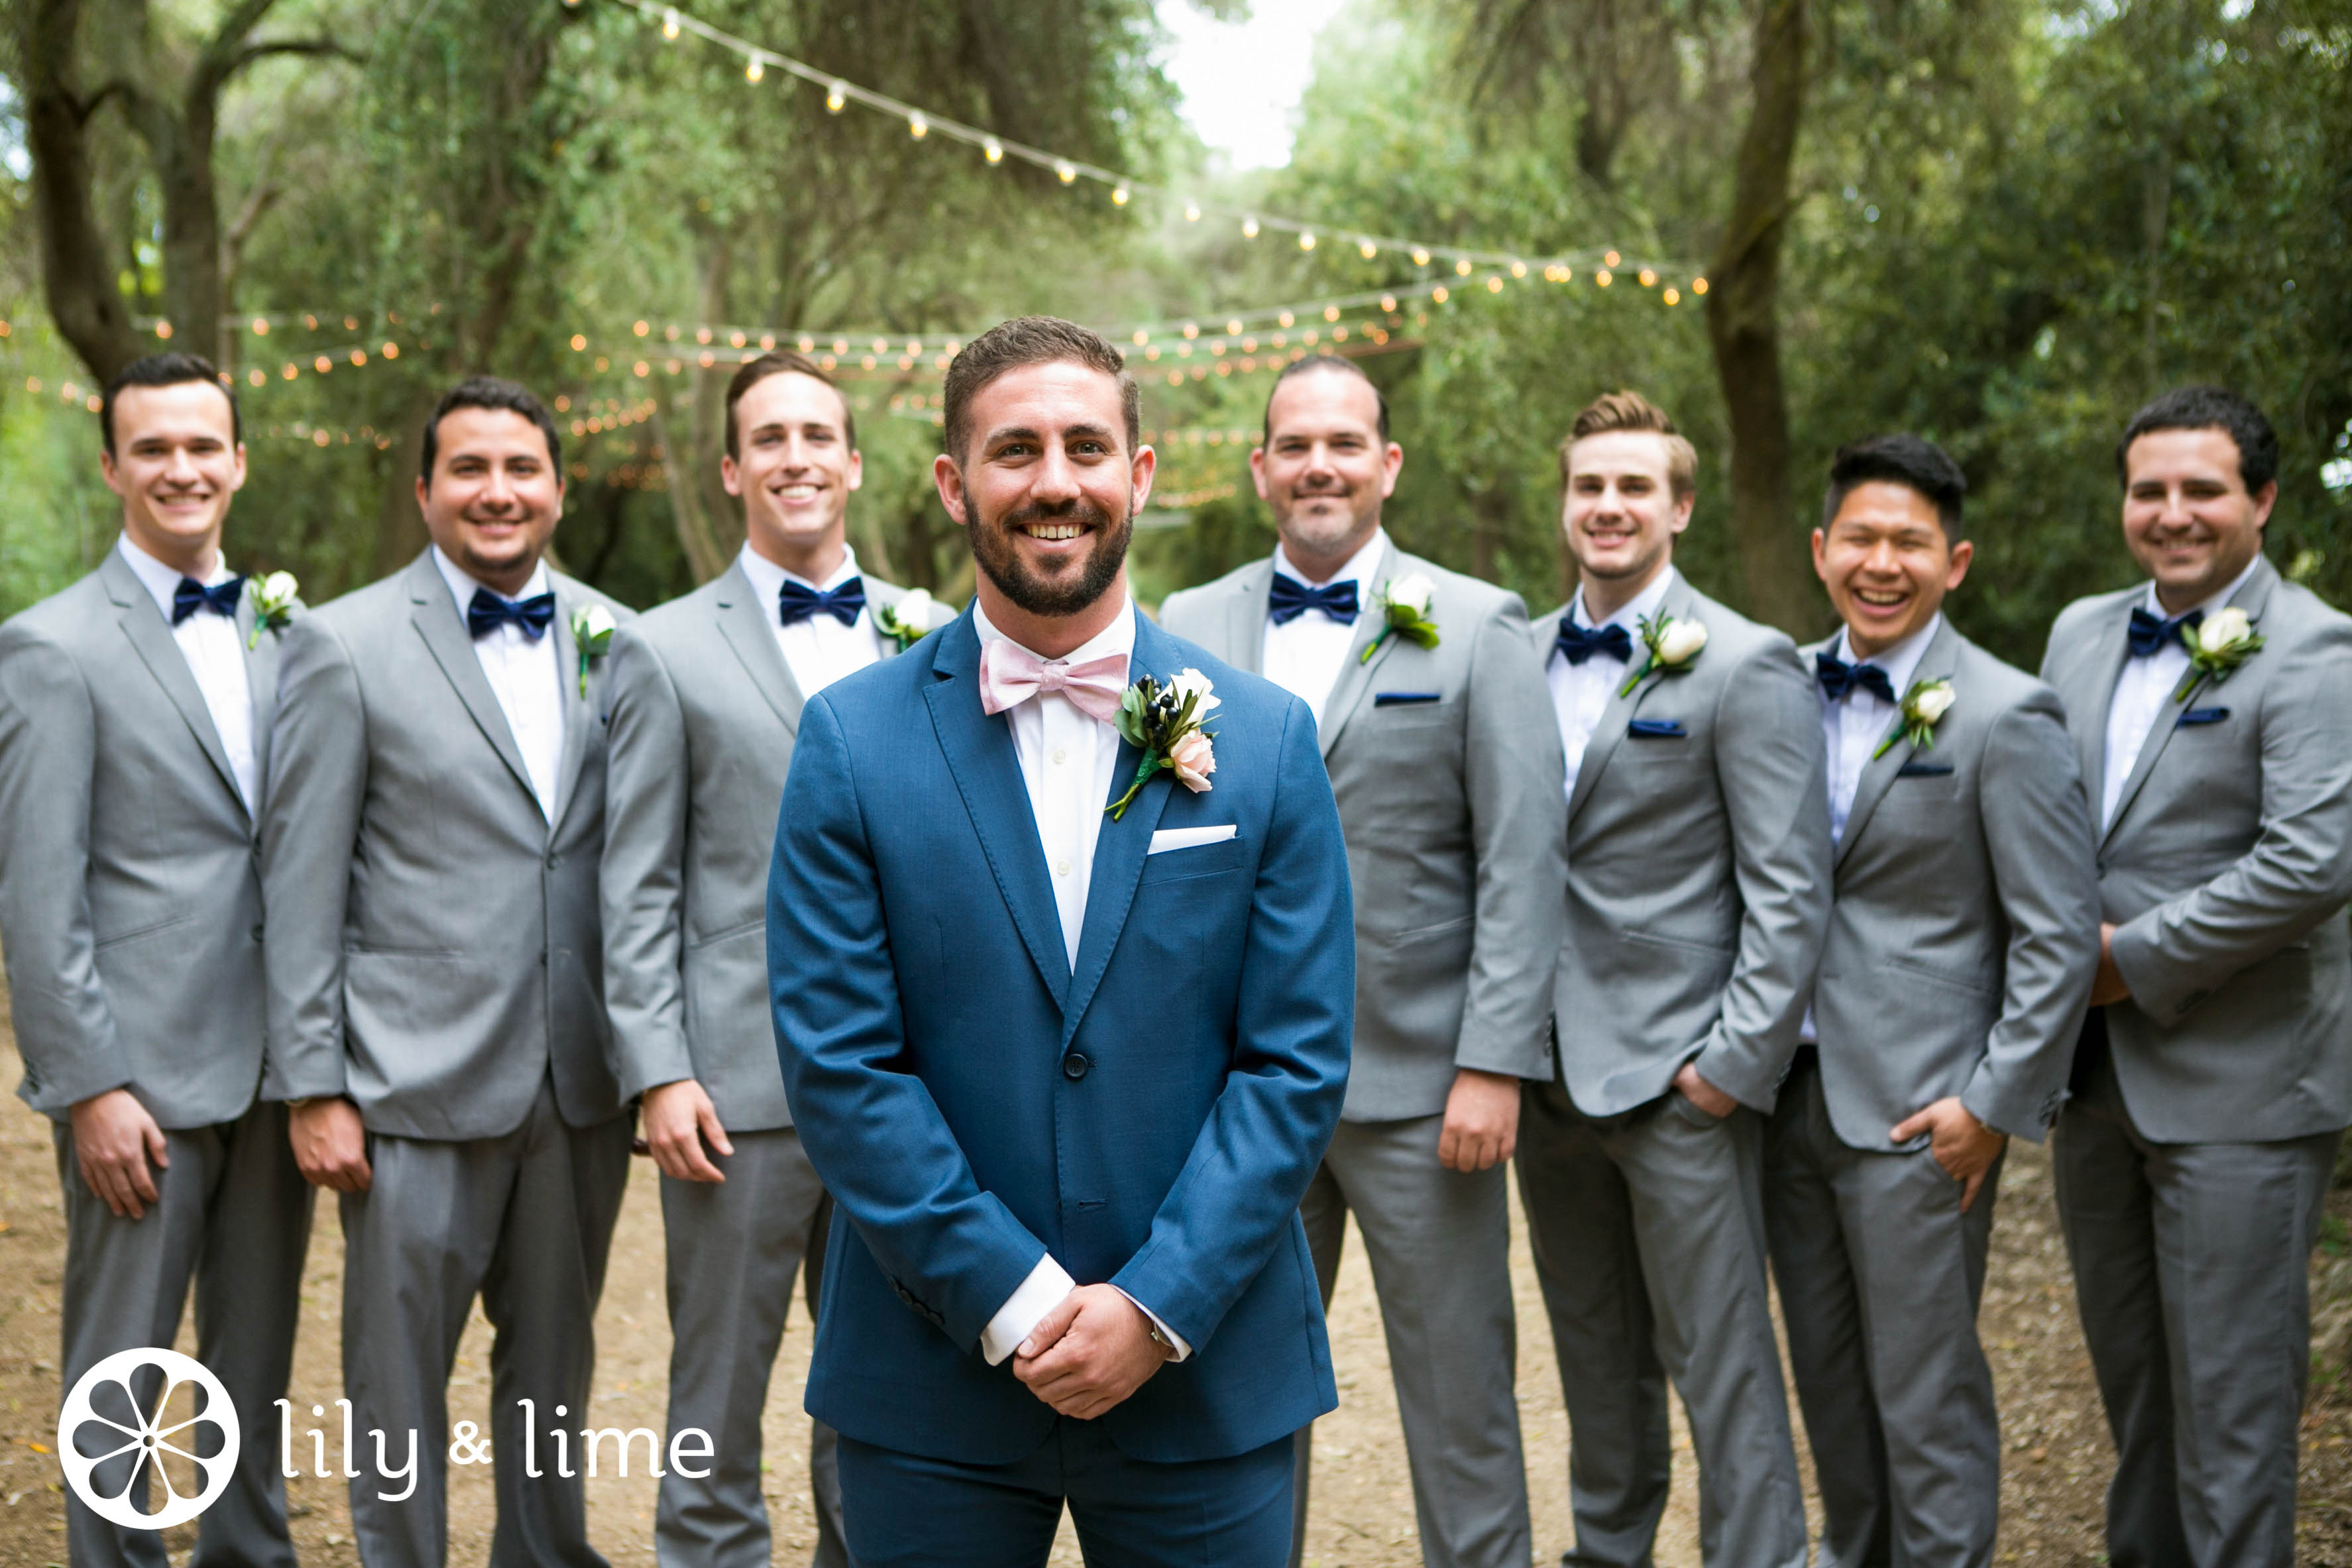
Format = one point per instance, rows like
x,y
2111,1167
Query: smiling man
x,y
436,1015
1953,981
1448,781
2212,709
1066,1073
135,717
707,694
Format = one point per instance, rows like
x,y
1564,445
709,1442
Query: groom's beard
x,y
1077,583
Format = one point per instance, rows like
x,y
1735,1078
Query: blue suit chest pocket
x,y
1924,771
1656,730
2199,716
1400,698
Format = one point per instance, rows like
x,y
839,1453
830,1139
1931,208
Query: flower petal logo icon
x,y
103,1428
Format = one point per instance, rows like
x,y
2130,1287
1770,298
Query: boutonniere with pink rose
x,y
1163,722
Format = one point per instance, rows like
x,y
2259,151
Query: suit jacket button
x,y
256,933
1074,1066
552,862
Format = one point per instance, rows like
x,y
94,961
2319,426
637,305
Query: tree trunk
x,y
1743,326
77,276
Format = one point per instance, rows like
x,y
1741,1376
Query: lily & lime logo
x,y
111,1443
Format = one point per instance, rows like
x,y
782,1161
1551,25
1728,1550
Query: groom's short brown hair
x,y
1033,339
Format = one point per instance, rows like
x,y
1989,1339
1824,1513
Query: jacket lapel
x,y
1619,712
261,683
2106,661
1120,848
1878,774
435,615
2253,597
743,622
579,712
1246,623
987,773
151,640
1355,671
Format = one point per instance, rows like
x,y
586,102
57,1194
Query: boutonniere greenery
x,y
1924,706
273,599
909,620
1674,647
591,634
2217,648
1405,603
1163,722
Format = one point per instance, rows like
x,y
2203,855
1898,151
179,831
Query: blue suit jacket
x,y
1151,1119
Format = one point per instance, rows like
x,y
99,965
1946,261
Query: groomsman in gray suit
x,y
1953,981
134,750
706,698
436,1015
2212,708
1436,735
1698,884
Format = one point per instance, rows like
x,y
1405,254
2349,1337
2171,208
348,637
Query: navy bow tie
x,y
488,611
1838,678
796,602
2150,633
1576,645
190,596
1289,598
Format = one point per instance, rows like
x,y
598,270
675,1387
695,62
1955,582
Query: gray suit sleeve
x,y
641,882
48,746
1513,775
308,829
1768,761
2299,871
2037,827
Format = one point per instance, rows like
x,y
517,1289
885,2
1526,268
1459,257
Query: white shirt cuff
x,y
1183,1351
1038,1295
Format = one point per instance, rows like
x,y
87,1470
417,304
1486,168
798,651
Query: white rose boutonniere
x,y
1673,645
273,599
1163,722
1404,601
591,634
2217,648
909,620
1924,706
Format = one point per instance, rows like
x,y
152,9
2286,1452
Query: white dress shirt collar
x,y
463,582
1358,569
2143,688
2211,606
524,677
1899,660
1630,614
1305,655
768,578
162,581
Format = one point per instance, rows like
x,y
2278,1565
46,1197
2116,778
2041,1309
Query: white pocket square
x,y
1169,838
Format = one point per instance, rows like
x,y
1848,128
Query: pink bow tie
x,y
1009,674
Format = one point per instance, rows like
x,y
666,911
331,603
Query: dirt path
x,y
2056,1446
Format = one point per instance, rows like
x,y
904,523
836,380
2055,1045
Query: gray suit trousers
x,y
1440,1244
233,1213
1880,1277
2191,1264
526,1219
1648,1233
734,1247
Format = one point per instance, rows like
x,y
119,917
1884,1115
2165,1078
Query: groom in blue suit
x,y
1066,1073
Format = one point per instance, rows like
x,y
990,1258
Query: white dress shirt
x,y
2142,689
1854,726
1067,757
214,651
523,676
1305,655
1580,691
819,651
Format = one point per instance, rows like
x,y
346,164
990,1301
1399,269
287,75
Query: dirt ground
x,y
2057,1453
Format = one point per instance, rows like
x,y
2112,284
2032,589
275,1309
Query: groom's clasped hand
x,y
1087,1354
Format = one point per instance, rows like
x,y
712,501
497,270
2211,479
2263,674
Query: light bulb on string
x,y
1192,212
754,68
1518,270
1461,266
1307,239
670,23
1065,168
1649,278
1698,285
1367,249
1249,226
1118,195
1609,259
918,127
836,96
992,150
1420,256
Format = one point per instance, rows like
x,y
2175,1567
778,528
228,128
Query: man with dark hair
x,y
1064,1031
1698,883
437,1011
135,716
706,695
1952,984
2212,708
1455,860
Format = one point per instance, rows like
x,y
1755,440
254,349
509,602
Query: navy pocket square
x,y
1923,769
1394,698
2203,716
1657,729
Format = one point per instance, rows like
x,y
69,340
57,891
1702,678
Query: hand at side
x,y
1087,1354
1481,1120
679,1120
330,1144
114,1137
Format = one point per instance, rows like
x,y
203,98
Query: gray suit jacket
x,y
433,947
1964,934
703,710
2226,871
129,901
1698,871
1447,771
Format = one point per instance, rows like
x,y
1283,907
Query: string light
x,y
754,68
918,127
992,150
670,23
1249,226
836,97
1306,240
